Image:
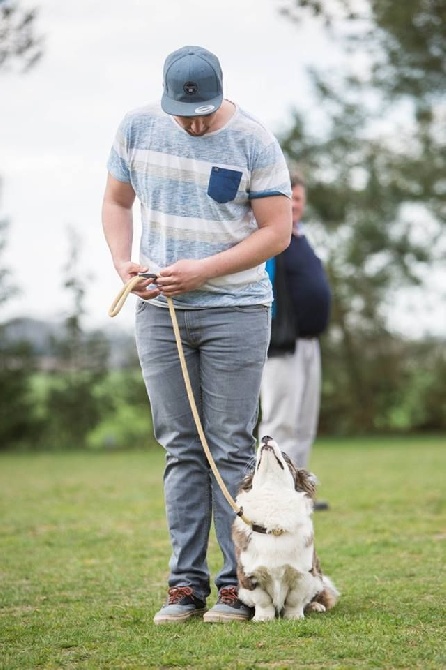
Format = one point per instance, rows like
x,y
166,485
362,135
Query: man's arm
x,y
274,221
117,223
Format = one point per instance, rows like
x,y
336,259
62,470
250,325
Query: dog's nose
x,y
266,439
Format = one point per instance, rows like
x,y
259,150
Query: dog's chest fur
x,y
287,512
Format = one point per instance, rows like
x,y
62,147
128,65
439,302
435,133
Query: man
x,y
291,384
215,204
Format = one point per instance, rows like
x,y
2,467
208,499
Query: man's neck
x,y
224,113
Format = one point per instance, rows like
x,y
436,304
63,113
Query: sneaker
x,y
228,607
180,606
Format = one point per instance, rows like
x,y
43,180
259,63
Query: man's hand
x,y
183,276
128,270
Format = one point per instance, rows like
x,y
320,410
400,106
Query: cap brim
x,y
177,108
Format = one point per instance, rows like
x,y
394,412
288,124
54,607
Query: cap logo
x,y
190,88
204,109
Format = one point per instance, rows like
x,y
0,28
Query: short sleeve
x,y
270,173
118,164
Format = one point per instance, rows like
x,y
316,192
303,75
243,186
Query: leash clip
x,y
147,275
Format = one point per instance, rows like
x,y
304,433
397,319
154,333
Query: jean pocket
x,y
223,184
140,306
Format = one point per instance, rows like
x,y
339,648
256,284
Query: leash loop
x,y
120,299
113,311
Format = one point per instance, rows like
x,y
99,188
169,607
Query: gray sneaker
x,y
228,608
180,606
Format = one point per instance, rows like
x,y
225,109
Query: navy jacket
x,y
309,292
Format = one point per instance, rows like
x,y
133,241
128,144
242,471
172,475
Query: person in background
x,y
291,382
214,192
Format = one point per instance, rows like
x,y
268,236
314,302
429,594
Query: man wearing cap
x,y
214,194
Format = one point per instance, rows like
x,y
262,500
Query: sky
x,y
58,121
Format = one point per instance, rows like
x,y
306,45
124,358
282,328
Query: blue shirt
x,y
195,195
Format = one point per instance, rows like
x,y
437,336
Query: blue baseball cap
x,y
193,82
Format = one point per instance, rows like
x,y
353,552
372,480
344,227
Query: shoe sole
x,y
321,506
179,618
219,617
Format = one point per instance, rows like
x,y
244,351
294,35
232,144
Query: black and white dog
x,y
278,570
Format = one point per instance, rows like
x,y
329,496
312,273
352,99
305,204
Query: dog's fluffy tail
x,y
329,595
326,599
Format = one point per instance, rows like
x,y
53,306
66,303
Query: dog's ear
x,y
306,482
292,468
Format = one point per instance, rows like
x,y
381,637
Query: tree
x,y
81,364
405,41
372,190
367,256
19,44
18,422
404,66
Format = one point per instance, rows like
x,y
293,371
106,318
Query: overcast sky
x,y
57,122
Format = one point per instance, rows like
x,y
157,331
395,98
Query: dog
x,y
278,570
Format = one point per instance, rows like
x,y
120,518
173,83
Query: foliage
x,y
127,422
403,49
421,403
358,220
376,193
7,288
18,421
400,386
19,424
81,363
123,422
71,411
19,44
85,562
406,41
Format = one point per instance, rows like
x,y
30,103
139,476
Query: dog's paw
x,y
264,614
293,614
265,617
315,607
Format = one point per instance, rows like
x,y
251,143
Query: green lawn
x,y
84,553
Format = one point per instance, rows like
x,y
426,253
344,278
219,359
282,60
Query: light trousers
x,y
290,400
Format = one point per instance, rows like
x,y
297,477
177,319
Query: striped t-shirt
x,y
195,195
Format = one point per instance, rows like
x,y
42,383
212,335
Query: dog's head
x,y
273,465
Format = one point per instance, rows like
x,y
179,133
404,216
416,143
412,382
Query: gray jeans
x,y
225,350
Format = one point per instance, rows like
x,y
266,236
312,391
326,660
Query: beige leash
x,y
120,299
113,311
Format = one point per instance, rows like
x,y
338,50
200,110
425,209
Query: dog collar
x,y
257,528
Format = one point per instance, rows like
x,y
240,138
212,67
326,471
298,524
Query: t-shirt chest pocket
x,y
223,184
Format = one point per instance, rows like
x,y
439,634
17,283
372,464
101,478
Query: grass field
x,y
84,554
